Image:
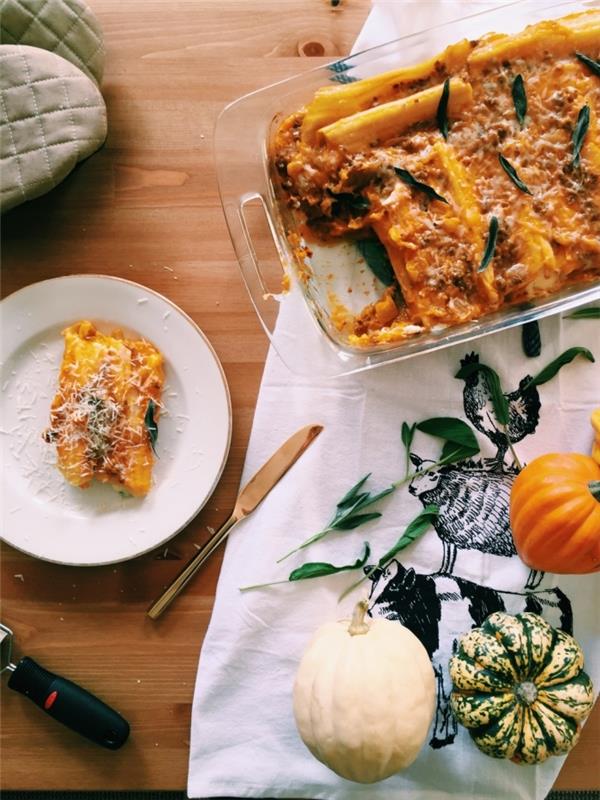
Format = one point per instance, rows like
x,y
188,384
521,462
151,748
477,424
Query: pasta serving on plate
x,y
478,171
103,419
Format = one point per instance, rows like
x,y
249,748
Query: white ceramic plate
x,y
41,513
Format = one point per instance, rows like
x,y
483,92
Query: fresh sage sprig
x,y
555,366
512,174
151,425
442,109
348,513
413,531
377,259
411,181
316,569
460,443
585,313
407,434
519,96
579,133
490,245
589,62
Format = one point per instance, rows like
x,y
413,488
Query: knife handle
x,y
188,572
70,704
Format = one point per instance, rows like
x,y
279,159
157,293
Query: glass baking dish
x,y
302,317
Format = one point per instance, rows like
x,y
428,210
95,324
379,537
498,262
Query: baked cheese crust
x,y
345,162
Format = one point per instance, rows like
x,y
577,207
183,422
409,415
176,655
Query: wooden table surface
x,y
146,201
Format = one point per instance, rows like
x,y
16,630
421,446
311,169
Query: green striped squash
x,y
519,687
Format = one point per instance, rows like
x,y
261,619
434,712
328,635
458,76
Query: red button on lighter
x,y
49,701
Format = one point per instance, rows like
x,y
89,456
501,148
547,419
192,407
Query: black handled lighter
x,y
70,704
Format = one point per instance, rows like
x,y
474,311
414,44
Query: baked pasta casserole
x,y
475,176
103,419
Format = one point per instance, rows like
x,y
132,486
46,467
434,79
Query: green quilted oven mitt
x,y
52,114
65,27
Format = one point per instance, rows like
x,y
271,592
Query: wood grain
x,y
146,202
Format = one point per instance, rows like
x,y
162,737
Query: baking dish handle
x,y
263,275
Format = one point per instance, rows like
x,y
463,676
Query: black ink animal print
x,y
473,500
474,496
523,409
439,608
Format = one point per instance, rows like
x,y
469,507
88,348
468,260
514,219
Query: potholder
x,y
65,27
51,117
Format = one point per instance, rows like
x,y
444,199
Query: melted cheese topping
x,y
340,179
97,418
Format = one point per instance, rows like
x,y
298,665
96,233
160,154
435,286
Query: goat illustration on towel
x,y
473,500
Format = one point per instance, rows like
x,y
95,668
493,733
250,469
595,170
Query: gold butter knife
x,y
254,492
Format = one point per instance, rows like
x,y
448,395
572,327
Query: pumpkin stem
x,y
594,487
358,626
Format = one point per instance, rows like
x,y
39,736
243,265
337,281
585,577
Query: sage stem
x,y
353,586
512,449
312,539
260,585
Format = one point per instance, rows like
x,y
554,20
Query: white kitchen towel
x,y
244,741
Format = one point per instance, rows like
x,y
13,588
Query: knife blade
x,y
261,483
253,493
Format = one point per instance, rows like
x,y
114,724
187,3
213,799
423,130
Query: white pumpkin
x,y
364,697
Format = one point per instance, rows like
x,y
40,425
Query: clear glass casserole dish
x,y
249,194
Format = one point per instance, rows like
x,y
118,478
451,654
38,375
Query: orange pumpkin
x,y
555,513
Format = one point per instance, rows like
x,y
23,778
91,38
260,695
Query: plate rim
x,y
221,371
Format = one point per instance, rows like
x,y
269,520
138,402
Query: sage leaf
x,y
531,339
413,531
442,109
460,443
579,132
151,425
349,498
408,434
490,245
318,569
411,181
555,366
519,96
349,203
452,429
377,259
349,523
452,452
585,313
492,379
373,498
589,62
512,174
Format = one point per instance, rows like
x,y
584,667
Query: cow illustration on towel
x,y
438,608
473,499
